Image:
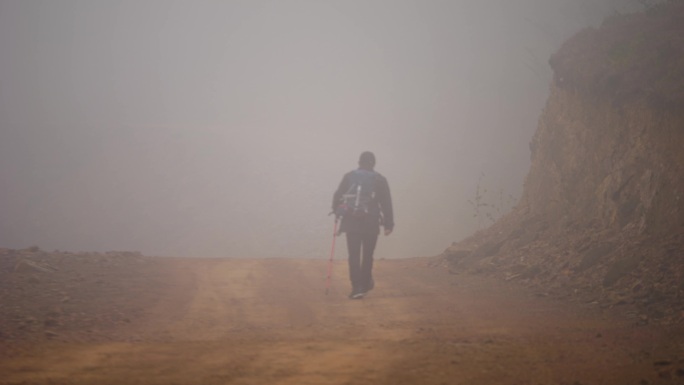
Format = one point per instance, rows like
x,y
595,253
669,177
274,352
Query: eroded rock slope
x,y
601,218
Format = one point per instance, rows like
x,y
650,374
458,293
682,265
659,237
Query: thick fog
x,y
211,128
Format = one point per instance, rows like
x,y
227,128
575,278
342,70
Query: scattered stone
x,y
51,334
665,374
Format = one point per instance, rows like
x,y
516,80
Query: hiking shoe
x,y
365,290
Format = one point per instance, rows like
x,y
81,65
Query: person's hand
x,y
388,231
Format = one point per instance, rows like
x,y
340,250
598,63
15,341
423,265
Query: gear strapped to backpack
x,y
357,200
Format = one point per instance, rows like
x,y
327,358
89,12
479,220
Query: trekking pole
x,y
330,262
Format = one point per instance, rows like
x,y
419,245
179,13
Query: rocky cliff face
x,y
602,214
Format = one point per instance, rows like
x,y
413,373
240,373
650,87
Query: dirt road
x,y
268,321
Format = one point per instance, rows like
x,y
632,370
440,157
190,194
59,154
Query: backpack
x,y
357,200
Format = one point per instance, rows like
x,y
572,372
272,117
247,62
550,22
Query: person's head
x,y
367,160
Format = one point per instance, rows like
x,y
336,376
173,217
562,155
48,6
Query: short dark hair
x,y
367,159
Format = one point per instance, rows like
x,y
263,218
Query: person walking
x,y
364,202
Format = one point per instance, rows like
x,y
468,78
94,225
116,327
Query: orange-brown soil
x,y
128,319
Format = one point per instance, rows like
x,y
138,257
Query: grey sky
x,y
207,128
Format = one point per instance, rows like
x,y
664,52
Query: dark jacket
x,y
380,212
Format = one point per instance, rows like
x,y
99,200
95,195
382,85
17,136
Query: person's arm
x,y
385,200
341,190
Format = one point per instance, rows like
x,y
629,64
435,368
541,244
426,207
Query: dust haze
x,y
223,128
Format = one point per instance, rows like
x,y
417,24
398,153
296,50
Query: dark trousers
x,y
361,247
